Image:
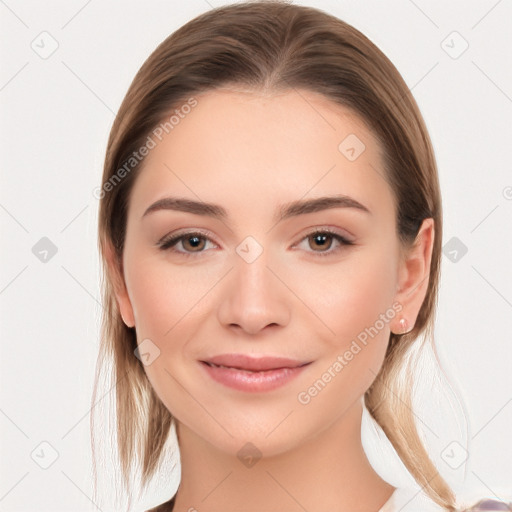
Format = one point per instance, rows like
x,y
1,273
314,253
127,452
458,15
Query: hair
x,y
267,47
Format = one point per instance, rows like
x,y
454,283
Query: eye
x,y
192,242
321,240
195,242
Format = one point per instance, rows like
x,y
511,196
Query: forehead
x,y
245,147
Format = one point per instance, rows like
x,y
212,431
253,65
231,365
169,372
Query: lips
x,y
251,363
252,374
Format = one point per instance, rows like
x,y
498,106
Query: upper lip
x,y
261,363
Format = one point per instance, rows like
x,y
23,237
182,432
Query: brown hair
x,y
271,46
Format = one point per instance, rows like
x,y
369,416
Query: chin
x,y
253,444
241,435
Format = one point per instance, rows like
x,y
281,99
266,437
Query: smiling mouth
x,y
251,363
212,365
252,374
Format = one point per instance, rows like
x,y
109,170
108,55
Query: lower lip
x,y
252,381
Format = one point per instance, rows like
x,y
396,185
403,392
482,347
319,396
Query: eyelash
x,y
167,244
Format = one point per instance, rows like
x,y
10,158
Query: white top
x,y
410,500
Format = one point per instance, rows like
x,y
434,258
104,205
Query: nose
x,y
254,297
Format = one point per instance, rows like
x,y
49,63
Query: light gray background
x,y
56,116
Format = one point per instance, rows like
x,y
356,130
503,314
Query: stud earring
x,y
403,326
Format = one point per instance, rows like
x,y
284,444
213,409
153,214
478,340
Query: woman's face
x,y
259,277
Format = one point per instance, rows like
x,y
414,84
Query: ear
x,y
115,268
413,277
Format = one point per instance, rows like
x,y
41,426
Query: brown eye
x,y
186,244
193,243
321,240
324,242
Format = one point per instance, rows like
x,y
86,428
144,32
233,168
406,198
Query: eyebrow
x,y
292,209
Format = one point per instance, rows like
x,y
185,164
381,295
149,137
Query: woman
x,y
270,225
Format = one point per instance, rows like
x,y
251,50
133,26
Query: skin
x,y
250,153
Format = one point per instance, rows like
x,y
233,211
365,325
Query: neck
x,y
328,472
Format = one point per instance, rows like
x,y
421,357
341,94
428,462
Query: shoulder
x,y
164,507
409,499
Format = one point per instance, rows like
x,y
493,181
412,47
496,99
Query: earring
x,y
403,326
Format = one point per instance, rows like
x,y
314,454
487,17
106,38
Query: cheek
x,y
166,296
355,301
168,303
348,296
171,304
